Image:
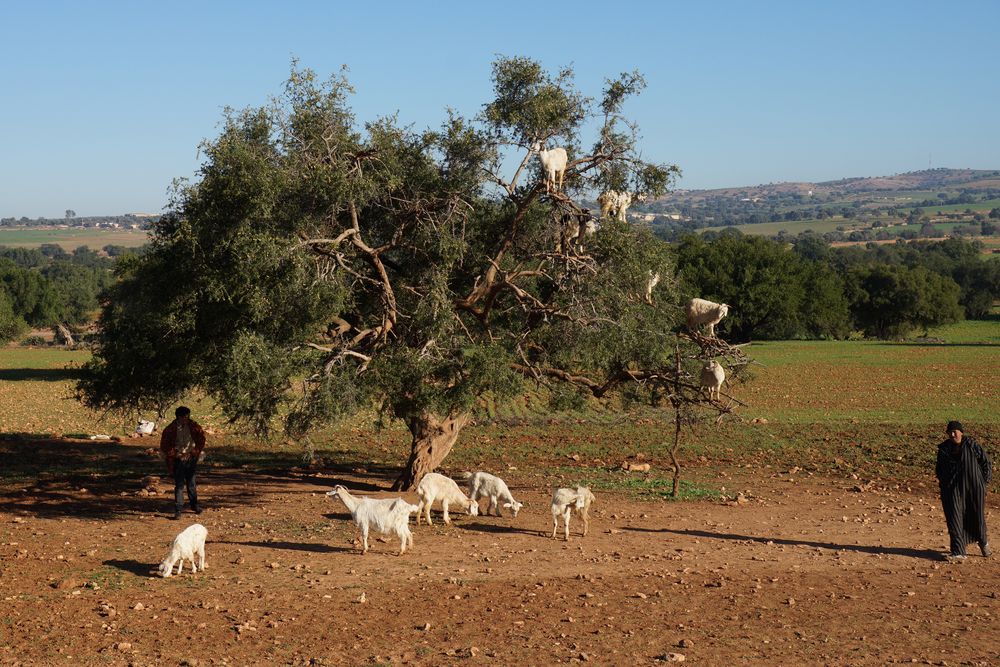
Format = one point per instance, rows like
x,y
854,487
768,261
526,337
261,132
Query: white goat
x,y
566,501
386,515
712,377
616,203
188,543
438,487
145,427
701,311
579,229
654,280
485,485
554,162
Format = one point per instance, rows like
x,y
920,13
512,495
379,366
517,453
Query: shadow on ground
x,y
133,567
40,374
312,547
926,554
54,477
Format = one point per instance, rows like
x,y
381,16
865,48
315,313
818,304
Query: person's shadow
x,y
927,554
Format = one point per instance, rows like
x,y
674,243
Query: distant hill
x,y
957,201
926,179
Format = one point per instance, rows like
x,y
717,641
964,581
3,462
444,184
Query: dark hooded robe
x,y
963,471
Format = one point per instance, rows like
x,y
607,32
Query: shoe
x,y
176,515
955,558
985,548
197,510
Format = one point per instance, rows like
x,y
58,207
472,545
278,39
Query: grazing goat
x,y
438,487
188,543
485,485
712,377
145,427
566,501
554,162
616,203
389,516
700,311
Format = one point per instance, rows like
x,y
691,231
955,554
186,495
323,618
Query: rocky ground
x,y
799,570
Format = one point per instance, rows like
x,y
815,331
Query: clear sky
x,y
102,104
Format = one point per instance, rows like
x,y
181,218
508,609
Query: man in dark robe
x,y
963,471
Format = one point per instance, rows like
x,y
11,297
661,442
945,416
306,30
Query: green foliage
x,y
772,292
889,301
32,297
11,324
313,269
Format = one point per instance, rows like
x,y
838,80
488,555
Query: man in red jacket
x,y
181,443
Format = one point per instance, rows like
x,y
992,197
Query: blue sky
x,y
102,104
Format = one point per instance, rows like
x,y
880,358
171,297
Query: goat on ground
x,y
388,516
188,543
567,501
485,485
438,487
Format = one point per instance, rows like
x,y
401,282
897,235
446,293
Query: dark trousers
x,y
965,513
184,477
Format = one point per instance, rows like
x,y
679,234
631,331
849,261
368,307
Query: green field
x,y
793,227
866,404
987,205
72,238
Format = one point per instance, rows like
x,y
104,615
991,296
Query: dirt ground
x,y
800,570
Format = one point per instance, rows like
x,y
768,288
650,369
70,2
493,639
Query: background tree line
x,y
814,291
42,287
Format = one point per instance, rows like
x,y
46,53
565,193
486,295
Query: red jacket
x,y
168,441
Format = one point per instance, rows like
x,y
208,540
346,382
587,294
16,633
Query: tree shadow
x,y
133,567
312,547
926,554
40,374
55,477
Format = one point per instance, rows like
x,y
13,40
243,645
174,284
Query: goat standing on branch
x,y
554,163
615,204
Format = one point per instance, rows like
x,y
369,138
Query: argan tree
x,y
316,267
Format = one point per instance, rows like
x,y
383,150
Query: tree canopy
x,y
316,267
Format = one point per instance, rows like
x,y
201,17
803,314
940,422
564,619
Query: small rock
x,y
139,606
685,643
674,657
427,627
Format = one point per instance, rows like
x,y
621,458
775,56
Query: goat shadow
x,y
481,527
133,567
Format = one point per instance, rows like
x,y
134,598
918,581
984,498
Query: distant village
x,y
124,221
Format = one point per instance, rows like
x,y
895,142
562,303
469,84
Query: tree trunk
x,y
433,438
63,335
673,452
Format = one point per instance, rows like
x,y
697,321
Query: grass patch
x,y
640,486
108,578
